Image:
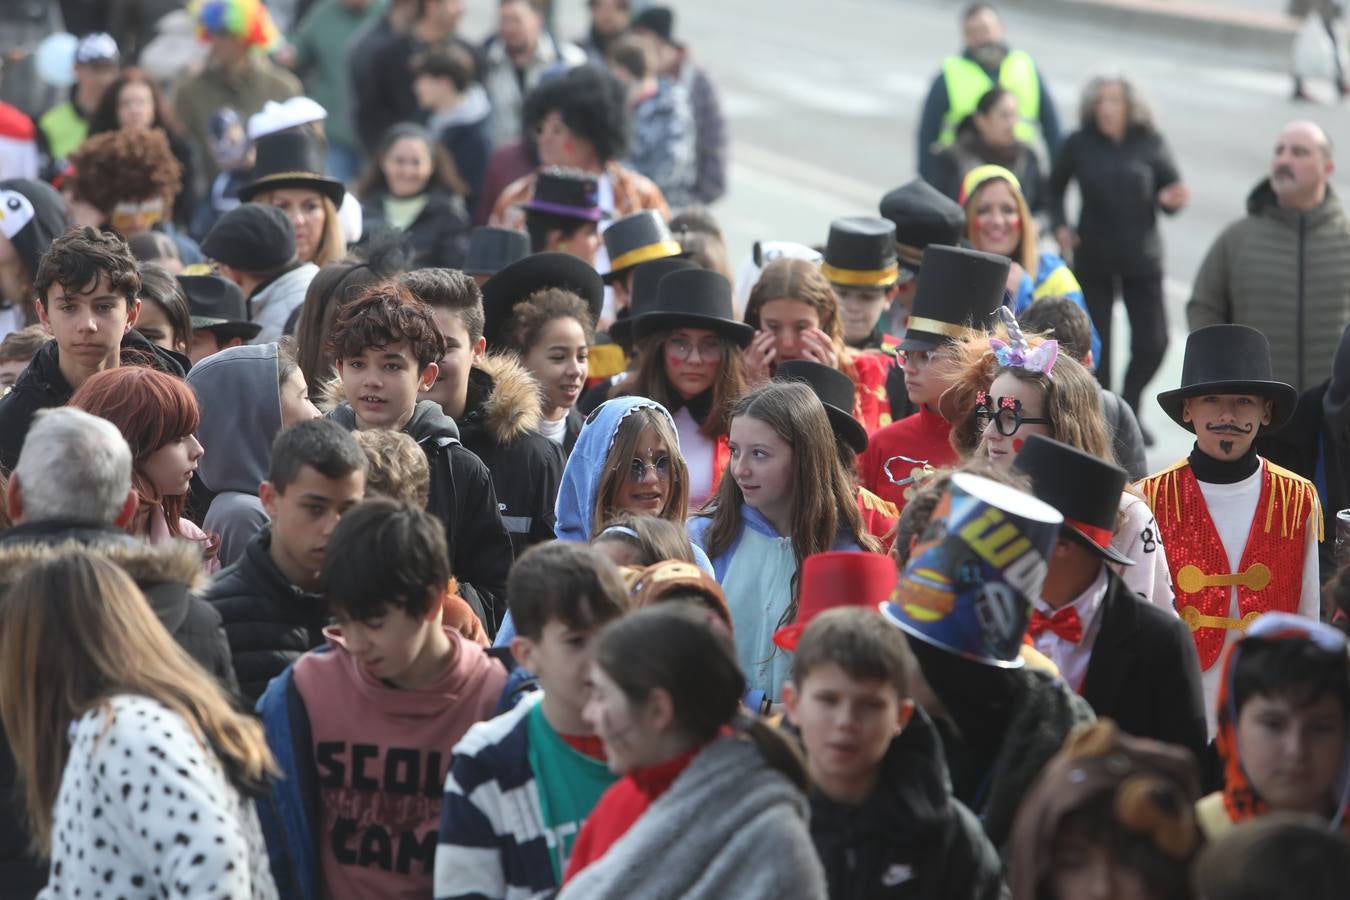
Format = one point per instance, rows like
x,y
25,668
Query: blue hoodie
x,y
582,476
756,574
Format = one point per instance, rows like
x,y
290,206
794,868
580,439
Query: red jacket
x,y
924,436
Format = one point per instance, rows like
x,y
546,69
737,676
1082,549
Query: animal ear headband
x,y
1014,353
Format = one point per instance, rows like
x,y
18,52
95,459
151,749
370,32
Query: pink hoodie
x,y
381,755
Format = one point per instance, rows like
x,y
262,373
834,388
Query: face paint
x,y
1017,444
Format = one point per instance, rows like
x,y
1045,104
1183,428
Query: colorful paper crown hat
x,y
970,581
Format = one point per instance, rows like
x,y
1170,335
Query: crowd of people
x,y
405,497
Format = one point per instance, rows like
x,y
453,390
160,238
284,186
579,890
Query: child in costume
x,y
1241,533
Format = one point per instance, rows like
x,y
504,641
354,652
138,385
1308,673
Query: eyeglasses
x,y
1005,413
709,349
919,358
637,470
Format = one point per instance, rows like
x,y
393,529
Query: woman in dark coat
x,y
1125,174
413,189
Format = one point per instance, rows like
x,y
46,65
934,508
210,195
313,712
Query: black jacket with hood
x,y
166,575
463,499
42,386
269,622
500,425
437,237
911,838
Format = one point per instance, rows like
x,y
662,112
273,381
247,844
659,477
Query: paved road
x,y
824,97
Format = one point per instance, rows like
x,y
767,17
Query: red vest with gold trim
x,y
879,517
1270,576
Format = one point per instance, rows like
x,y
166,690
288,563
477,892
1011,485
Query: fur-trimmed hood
x,y
166,574
504,400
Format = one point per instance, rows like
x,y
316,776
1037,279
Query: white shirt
x,y
700,453
554,431
1072,659
1231,509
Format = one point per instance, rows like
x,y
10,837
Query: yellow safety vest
x,y
967,83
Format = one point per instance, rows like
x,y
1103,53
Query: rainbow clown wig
x,y
247,20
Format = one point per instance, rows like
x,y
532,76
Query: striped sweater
x,y
493,839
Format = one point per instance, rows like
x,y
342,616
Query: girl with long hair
x,y
788,497
711,802
999,220
413,189
134,102
1013,386
795,314
137,772
158,415
688,347
289,174
989,135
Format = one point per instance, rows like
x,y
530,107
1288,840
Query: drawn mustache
x,y
1228,429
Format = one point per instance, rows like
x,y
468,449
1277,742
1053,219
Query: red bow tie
x,y
1064,623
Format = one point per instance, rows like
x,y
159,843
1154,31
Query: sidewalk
x,y
1237,24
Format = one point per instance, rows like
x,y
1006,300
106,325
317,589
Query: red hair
x,y
151,409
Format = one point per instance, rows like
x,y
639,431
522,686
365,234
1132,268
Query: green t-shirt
x,y
569,785
401,212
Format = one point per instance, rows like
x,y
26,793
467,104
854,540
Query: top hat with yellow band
x,y
637,238
959,289
860,252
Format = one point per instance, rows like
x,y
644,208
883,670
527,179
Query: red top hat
x,y
838,578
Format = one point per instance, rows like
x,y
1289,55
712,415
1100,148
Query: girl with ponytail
x,y
711,801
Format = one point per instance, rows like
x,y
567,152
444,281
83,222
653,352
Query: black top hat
x,y
836,390
922,215
1085,489
522,278
861,252
693,298
638,238
1228,359
566,192
493,249
959,289
215,302
642,293
291,159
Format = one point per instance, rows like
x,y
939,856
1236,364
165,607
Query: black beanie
x,y
32,215
253,237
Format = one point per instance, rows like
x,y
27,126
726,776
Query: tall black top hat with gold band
x,y
291,159
1228,359
637,238
959,290
922,215
860,252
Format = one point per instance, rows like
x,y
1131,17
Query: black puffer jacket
x,y
269,622
499,425
911,838
463,499
165,575
42,386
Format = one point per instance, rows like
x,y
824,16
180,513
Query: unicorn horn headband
x,y
1014,353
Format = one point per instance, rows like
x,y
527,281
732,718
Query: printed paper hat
x,y
970,582
838,578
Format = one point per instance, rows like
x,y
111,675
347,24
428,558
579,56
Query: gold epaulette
x,y
1296,492
876,504
1152,485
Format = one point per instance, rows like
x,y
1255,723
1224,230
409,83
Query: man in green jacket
x,y
1285,268
237,75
